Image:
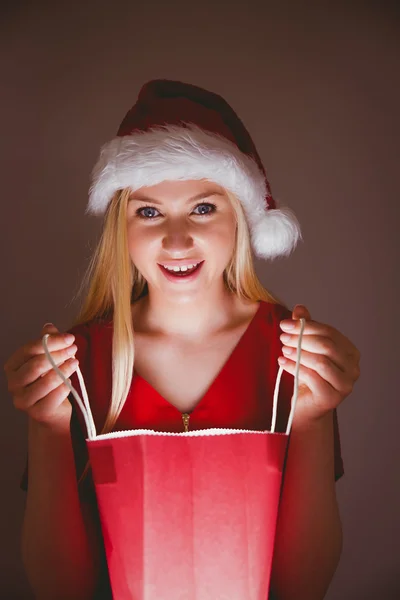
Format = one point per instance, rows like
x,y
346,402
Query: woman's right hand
x,y
35,386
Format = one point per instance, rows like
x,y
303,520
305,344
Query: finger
x,y
67,354
49,406
44,386
309,377
56,341
313,328
321,366
37,367
70,350
310,328
317,345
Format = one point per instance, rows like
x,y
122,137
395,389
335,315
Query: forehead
x,y
178,190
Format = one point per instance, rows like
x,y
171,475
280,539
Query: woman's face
x,y
181,222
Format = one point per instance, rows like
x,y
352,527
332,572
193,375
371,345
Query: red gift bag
x,y
188,516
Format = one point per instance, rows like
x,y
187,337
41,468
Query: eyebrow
x,y
201,196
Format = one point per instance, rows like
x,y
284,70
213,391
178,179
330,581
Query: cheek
x,y
223,235
222,239
141,243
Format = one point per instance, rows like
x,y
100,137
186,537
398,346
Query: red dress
x,y
239,397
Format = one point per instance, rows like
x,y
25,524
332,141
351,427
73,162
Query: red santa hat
x,y
178,131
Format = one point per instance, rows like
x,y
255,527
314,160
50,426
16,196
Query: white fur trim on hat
x,y
172,152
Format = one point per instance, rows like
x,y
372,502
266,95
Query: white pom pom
x,y
276,234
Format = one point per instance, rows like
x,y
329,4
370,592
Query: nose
x,y
177,237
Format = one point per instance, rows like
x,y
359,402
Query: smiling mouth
x,y
181,274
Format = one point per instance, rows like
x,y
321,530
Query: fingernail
x,y
286,350
45,325
287,326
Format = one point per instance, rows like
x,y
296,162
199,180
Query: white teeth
x,y
185,268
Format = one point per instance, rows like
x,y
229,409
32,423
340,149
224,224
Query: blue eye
x,y
150,218
139,211
213,207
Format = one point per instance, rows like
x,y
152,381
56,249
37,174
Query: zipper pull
x,y
185,418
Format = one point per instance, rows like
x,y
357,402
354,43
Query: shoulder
x,y
282,312
91,335
274,313
90,328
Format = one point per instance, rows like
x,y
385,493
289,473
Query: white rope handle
x,y
83,405
296,385
87,413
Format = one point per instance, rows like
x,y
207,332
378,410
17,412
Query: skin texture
x,y
329,365
175,230
309,534
59,543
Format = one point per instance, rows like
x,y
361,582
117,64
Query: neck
x,y
189,318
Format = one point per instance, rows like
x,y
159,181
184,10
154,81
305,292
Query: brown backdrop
x,y
317,85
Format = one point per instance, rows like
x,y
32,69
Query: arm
x,y
308,541
60,551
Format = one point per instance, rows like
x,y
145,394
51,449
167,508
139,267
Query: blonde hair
x,y
114,283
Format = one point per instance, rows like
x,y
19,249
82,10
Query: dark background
x,y
317,85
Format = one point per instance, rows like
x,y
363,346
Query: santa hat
x,y
178,131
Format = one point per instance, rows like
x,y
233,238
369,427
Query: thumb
x,y
301,312
49,328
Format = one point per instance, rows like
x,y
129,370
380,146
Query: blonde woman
x,y
176,333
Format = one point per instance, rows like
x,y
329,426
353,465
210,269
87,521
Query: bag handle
x,y
83,405
87,413
296,385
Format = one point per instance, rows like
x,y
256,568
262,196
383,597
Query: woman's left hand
x,y
329,366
